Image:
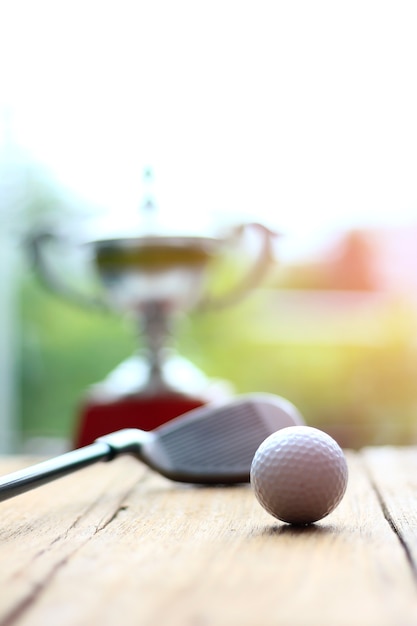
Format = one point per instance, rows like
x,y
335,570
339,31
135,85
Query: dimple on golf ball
x,y
299,474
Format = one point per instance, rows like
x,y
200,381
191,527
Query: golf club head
x,y
213,444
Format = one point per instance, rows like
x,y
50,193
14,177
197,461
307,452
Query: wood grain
x,y
393,472
115,543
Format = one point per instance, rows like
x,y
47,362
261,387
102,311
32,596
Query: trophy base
x,y
145,412
119,402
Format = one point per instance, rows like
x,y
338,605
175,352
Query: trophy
x,y
152,277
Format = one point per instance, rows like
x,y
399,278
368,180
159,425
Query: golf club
x,y
213,444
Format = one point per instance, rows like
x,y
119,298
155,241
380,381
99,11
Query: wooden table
x,y
117,544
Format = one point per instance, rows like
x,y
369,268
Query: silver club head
x,y
210,444
213,444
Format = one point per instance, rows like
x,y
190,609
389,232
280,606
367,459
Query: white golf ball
x,y
299,474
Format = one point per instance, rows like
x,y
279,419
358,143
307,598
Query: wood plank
x,y
40,530
393,472
117,543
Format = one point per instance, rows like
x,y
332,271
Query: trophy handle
x,y
36,244
255,274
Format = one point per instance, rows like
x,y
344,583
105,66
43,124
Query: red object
x,y
100,416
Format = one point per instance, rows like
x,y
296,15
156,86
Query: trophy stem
x,y
155,329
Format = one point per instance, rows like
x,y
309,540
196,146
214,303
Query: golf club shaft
x,y
36,475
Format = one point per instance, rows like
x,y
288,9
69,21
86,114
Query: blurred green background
x,y
282,120
340,349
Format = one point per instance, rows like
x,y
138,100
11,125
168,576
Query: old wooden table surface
x,y
117,544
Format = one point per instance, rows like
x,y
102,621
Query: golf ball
x,y
299,474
